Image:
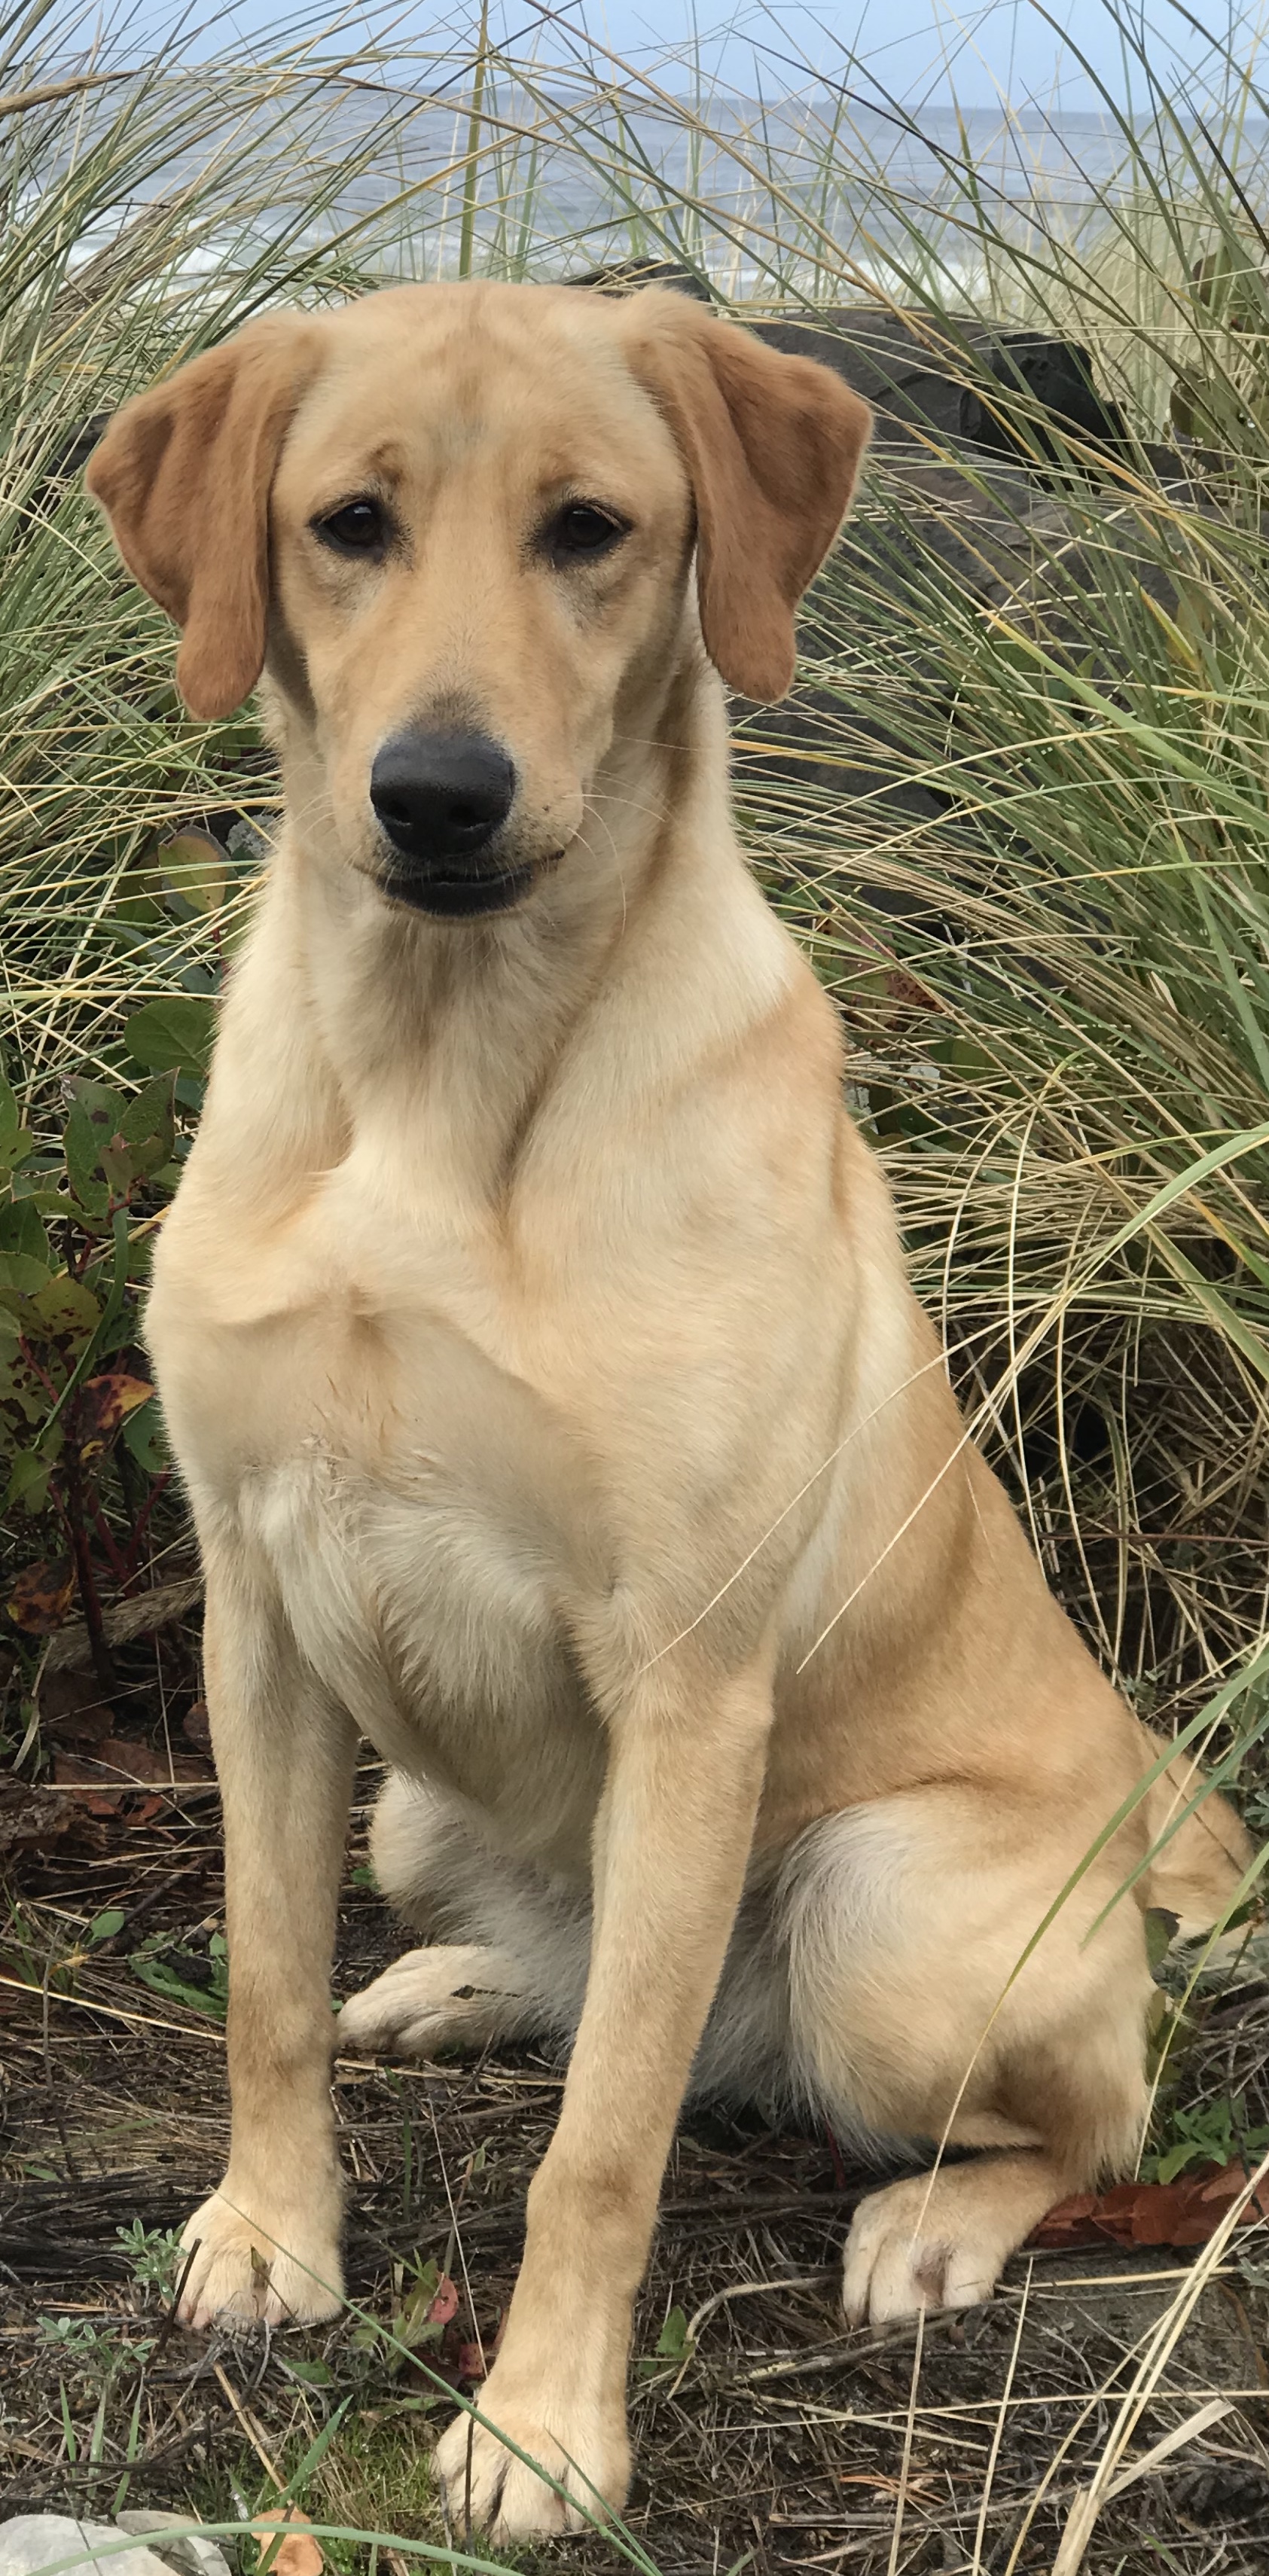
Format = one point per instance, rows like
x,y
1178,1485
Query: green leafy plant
x,y
78,1422
168,1967
98,2351
673,2345
1213,2133
155,2257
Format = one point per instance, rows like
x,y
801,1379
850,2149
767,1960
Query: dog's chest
x,y
428,1513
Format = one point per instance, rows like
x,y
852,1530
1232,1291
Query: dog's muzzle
x,y
440,800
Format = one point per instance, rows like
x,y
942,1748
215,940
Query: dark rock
x,y
626,276
79,447
1019,394
1028,395
990,536
68,458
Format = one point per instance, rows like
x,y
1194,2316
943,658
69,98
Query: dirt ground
x,y
771,2439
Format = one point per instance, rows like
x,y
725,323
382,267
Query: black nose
x,y
440,797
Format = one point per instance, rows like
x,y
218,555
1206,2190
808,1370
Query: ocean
x,y
814,195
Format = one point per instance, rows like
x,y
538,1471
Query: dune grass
x,y
1041,898
1071,1012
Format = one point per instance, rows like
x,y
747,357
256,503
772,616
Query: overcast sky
x,y
919,49
1012,48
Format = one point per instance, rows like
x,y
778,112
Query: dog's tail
x,y
1200,1868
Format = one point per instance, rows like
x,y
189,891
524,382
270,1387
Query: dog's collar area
x,y
459,898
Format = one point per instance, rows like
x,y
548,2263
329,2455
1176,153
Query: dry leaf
x,y
42,1596
31,1820
197,1726
474,2361
106,1402
445,2304
298,2554
115,1771
72,1709
1184,2212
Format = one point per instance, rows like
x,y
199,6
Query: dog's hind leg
x,y
919,2009
510,1957
455,1995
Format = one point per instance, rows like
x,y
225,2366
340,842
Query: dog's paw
x,y
458,1995
281,2266
937,2241
580,2442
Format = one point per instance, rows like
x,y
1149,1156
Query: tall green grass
x,y
148,211
1050,947
1044,903
1061,1005
1023,834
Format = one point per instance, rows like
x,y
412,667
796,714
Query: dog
x,y
534,1338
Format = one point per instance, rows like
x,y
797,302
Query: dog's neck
x,y
444,1040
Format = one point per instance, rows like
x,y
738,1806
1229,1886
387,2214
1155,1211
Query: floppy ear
x,y
772,446
183,475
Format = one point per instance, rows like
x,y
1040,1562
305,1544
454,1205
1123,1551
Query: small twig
x,y
249,2427
170,1878
999,2432
214,2037
174,2308
142,1523
844,2352
90,1602
119,1565
54,2106
456,2236
743,2290
112,1308
138,1616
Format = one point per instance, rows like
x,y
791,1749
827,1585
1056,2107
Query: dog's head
x,y
456,524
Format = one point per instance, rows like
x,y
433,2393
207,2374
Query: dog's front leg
x,y
672,1839
268,2239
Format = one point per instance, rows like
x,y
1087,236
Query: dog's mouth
x,y
459,898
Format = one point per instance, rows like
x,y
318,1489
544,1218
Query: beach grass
x,y
1020,823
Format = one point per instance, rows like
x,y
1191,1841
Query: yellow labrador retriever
x,y
534,1337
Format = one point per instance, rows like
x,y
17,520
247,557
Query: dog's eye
x,y
581,528
360,528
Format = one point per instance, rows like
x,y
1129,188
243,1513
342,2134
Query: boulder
x,y
964,383
36,2540
625,276
191,2555
1003,543
972,485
